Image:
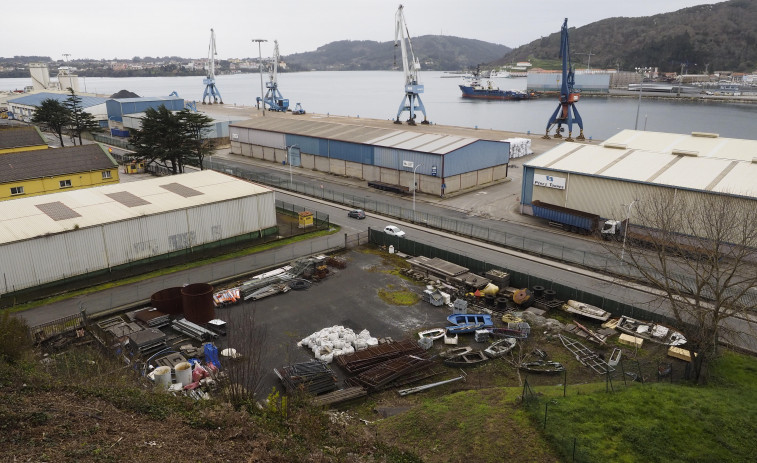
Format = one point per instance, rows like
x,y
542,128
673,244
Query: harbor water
x,y
378,95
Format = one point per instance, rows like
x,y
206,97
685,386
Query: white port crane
x,y
211,92
410,64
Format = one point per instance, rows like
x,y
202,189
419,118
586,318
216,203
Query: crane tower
x,y
410,65
273,97
211,92
566,111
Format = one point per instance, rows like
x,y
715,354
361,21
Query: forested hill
x,y
722,36
435,52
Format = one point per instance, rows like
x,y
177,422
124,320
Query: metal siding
x,y
268,139
386,157
113,107
308,145
527,191
479,155
603,196
323,148
552,195
350,152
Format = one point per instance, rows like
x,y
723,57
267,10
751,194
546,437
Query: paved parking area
x,y
348,297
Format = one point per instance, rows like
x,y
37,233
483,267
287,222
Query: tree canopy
x,y
172,140
79,120
53,116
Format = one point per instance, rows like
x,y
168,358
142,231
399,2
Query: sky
x,y
107,30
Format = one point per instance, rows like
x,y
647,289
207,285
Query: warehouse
x,y
442,163
604,179
117,108
78,234
22,108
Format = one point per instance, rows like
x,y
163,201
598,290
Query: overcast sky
x,y
103,29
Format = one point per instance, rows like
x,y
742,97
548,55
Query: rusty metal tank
x,y
168,300
197,301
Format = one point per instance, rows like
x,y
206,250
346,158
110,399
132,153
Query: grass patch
x,y
660,422
174,269
398,296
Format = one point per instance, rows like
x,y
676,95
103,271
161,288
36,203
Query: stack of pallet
x,y
368,358
385,373
314,377
153,318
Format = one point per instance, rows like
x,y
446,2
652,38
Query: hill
x,y
435,52
722,36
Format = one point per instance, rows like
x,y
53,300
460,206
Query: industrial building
x,y
118,108
22,108
441,163
218,129
25,138
84,233
604,179
43,171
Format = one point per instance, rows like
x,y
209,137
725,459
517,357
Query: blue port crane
x,y
211,91
566,112
410,65
273,97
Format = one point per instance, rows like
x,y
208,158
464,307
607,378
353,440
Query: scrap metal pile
x,y
314,377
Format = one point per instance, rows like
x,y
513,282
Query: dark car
x,y
356,214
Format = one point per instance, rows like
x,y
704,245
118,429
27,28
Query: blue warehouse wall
x,y
118,107
478,155
346,151
527,188
309,145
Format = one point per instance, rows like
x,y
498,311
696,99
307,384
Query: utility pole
x,y
260,63
588,63
66,55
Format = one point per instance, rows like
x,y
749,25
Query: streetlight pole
x,y
260,64
641,86
414,188
625,230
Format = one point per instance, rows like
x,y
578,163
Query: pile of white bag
x,y
519,147
335,341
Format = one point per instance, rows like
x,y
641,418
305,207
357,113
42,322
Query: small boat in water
x,y
468,359
586,310
651,331
500,348
543,366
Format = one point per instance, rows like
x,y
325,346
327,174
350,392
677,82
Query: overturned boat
x,y
466,360
586,310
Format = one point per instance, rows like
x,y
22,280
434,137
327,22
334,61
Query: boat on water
x,y
586,310
476,89
651,331
543,366
500,348
466,360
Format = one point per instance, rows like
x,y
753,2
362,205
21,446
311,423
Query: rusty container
x,y
168,301
197,301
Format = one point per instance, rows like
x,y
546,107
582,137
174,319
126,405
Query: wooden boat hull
x,y
455,351
586,310
434,333
542,366
466,360
650,331
500,348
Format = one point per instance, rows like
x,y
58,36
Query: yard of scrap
x,y
323,369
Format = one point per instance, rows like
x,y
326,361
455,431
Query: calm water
x,y
378,94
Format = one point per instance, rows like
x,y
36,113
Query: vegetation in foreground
x,y
653,422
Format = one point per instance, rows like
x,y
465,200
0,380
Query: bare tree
x,y
244,371
699,252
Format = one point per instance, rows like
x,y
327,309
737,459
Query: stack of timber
x,y
193,330
153,318
341,395
365,359
314,377
383,374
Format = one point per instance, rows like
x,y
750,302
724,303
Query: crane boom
x,y
566,111
211,91
273,97
410,66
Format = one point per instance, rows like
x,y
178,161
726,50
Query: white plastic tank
x,y
183,373
391,249
162,376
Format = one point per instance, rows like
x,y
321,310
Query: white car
x,y
394,231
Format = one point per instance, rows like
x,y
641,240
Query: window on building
x,y
17,190
106,174
65,183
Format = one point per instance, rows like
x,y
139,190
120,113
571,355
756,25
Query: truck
x,y
676,243
568,219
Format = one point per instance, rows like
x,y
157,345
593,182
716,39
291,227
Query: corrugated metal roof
x,y
26,165
704,145
20,137
334,130
21,219
145,98
37,98
725,175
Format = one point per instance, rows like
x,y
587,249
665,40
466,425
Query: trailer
x,y
568,219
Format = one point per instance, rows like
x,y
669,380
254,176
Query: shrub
x,y
14,338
